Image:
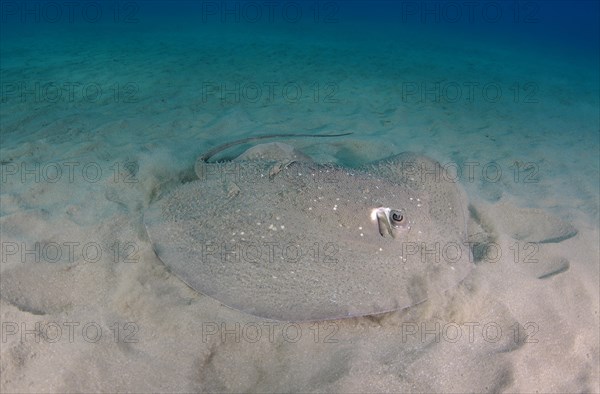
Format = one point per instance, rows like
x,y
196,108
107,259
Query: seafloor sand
x,y
109,317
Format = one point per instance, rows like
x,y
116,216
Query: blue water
x,y
503,81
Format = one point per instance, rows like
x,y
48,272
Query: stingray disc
x,y
307,241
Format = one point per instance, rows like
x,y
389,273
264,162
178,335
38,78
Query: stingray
x,y
276,235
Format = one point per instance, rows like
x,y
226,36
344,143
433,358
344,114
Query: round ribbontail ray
x,y
300,241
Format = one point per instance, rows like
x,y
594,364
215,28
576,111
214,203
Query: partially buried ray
x,y
293,240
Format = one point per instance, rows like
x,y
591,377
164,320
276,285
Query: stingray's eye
x,y
390,222
396,218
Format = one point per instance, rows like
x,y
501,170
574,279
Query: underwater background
x,y
504,81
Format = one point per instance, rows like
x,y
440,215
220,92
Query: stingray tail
x,y
206,156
